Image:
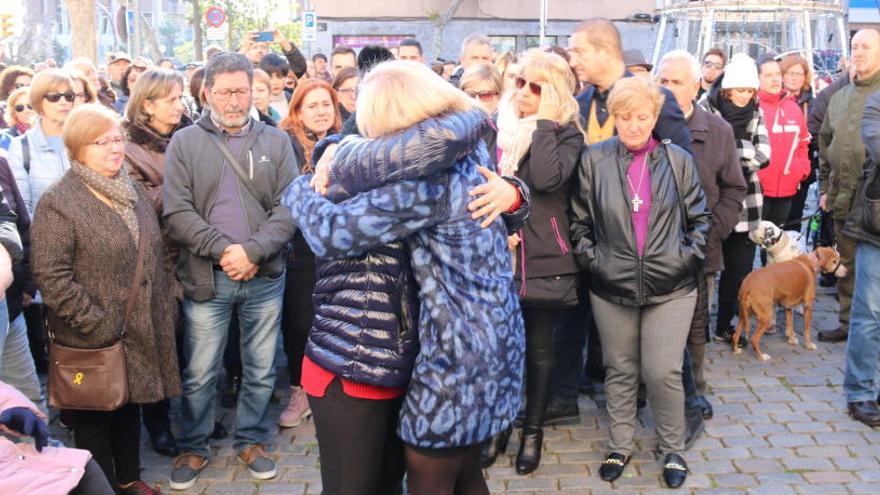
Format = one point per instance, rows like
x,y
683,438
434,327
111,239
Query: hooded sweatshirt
x,y
789,144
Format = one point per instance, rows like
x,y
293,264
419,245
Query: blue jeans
x,y
258,304
863,344
16,362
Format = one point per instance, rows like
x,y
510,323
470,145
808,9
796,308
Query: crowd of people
x,y
444,253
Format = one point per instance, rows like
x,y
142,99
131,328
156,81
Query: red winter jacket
x,y
789,140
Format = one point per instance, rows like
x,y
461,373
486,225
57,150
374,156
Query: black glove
x,y
24,421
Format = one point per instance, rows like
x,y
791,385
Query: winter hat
x,y
741,72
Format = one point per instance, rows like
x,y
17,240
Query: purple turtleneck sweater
x,y
639,175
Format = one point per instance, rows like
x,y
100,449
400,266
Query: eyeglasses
x,y
54,96
20,108
535,88
712,65
109,142
225,94
483,95
347,92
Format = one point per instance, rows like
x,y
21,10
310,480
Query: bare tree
x,y
83,27
440,20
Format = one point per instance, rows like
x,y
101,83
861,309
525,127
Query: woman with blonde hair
x,y
482,82
540,143
464,384
19,114
91,230
38,157
642,276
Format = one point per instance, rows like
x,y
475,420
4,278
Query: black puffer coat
x,y
602,230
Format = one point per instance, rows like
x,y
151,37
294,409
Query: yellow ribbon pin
x,y
78,378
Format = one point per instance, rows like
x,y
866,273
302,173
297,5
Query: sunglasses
x,y
535,88
20,108
483,95
55,96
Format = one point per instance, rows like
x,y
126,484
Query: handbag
x,y
93,379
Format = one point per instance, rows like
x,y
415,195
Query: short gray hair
x,y
226,62
686,56
475,39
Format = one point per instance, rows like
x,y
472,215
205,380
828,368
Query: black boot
x,y
494,447
540,367
529,457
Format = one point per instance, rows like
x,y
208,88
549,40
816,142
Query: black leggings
x,y
114,439
297,312
360,451
739,257
539,325
454,471
93,481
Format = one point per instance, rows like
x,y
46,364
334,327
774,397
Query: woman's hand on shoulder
x,y
491,199
321,180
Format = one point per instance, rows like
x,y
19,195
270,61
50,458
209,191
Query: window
x,y
501,44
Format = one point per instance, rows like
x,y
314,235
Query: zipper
x,y
562,246
522,261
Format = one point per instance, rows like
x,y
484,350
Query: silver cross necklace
x,y
637,201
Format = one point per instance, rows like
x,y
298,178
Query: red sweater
x,y
789,142
316,379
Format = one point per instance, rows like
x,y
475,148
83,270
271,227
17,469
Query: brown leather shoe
x,y
837,335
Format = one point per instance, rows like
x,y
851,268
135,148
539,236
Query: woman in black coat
x,y
541,145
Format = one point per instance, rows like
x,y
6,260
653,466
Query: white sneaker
x,y
297,409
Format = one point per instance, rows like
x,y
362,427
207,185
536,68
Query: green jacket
x,y
841,150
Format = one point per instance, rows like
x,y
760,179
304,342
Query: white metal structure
x,y
815,29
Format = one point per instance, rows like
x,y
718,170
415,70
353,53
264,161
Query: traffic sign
x,y
215,16
310,26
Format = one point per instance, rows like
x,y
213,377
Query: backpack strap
x,y
26,153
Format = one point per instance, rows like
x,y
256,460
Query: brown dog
x,y
788,284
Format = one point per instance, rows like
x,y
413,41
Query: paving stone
x,y
770,489
840,438
531,484
832,451
282,488
809,427
236,488
791,440
757,465
857,463
728,453
736,480
816,489
819,477
808,463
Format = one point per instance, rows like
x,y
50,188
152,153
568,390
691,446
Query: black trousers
x,y
739,257
360,451
157,416
114,439
297,313
574,329
797,204
539,326
775,210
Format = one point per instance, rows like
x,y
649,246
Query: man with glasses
x,y
224,179
713,65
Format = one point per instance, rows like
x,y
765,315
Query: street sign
x,y
216,33
215,17
310,26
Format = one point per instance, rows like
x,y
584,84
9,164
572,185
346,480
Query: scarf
x,y
738,117
119,190
514,139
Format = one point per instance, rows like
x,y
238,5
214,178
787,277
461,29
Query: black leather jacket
x,y
602,231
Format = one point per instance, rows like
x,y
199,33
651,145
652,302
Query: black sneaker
x,y
726,336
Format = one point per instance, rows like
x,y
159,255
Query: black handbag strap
x,y
26,154
239,169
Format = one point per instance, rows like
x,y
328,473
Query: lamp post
x,y
543,23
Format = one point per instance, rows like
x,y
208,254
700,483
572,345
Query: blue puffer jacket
x,y
466,382
366,308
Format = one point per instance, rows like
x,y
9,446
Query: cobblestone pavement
x,y
780,428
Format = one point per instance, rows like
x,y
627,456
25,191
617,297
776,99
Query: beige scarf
x,y
514,138
119,190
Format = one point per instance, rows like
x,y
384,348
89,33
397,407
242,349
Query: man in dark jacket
x,y
841,156
722,180
863,226
597,58
224,179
